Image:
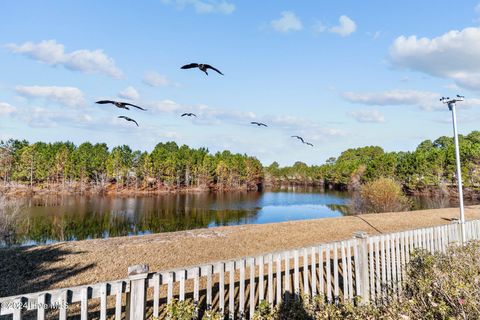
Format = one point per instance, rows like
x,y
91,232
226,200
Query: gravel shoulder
x,y
66,264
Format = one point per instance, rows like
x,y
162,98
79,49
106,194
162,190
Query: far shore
x,y
66,264
16,190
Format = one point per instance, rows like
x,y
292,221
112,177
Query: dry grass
x,y
90,261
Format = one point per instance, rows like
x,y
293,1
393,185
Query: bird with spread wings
x,y
202,67
260,124
128,119
120,104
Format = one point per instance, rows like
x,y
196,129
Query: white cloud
x,y
129,93
53,53
154,79
425,100
346,27
39,117
319,27
288,22
69,96
168,106
373,116
208,115
453,55
204,6
6,109
374,35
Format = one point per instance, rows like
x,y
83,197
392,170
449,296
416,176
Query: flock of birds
x,y
201,67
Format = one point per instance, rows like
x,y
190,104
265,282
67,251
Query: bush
x,y
181,310
437,286
381,195
444,286
186,310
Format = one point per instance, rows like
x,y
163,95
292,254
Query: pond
x,y
50,219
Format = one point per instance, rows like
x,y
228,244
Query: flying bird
x,y
128,119
119,104
300,138
309,144
202,67
189,114
258,124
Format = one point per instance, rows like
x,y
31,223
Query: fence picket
x,y
279,278
231,290
251,264
209,286
372,269
344,270
384,268
196,285
41,308
314,272
261,279
349,270
241,307
103,301
270,279
221,287
296,280
377,270
335,272
83,304
320,270
329,272
287,272
306,288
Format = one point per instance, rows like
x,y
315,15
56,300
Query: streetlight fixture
x,y
451,106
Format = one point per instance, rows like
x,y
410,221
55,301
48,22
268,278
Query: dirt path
x,y
67,264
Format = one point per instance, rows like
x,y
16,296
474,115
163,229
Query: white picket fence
x,y
369,267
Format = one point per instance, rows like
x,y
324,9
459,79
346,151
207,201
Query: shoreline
x,y
65,264
110,189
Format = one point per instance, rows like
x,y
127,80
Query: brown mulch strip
x,y
66,264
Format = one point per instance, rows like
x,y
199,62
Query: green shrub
x,y
444,286
381,195
181,310
186,310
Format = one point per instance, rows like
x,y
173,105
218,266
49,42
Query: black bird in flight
x,y
300,138
189,114
259,124
202,67
119,104
309,144
128,119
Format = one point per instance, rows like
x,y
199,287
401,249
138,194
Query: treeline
x,y
95,165
432,164
169,166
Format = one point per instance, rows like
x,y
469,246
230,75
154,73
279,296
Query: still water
x,y
65,218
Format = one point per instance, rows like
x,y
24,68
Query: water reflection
x,y
66,218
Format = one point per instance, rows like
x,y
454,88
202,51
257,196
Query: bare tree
x,y
10,214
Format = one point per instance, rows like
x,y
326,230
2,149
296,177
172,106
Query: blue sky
x,y
339,73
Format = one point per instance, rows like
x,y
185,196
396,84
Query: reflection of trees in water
x,y
344,209
78,218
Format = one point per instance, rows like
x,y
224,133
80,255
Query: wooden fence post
x,y
361,266
136,298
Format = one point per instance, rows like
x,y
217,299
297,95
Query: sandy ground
x,y
68,264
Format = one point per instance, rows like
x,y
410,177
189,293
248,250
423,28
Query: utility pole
x,y
451,106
